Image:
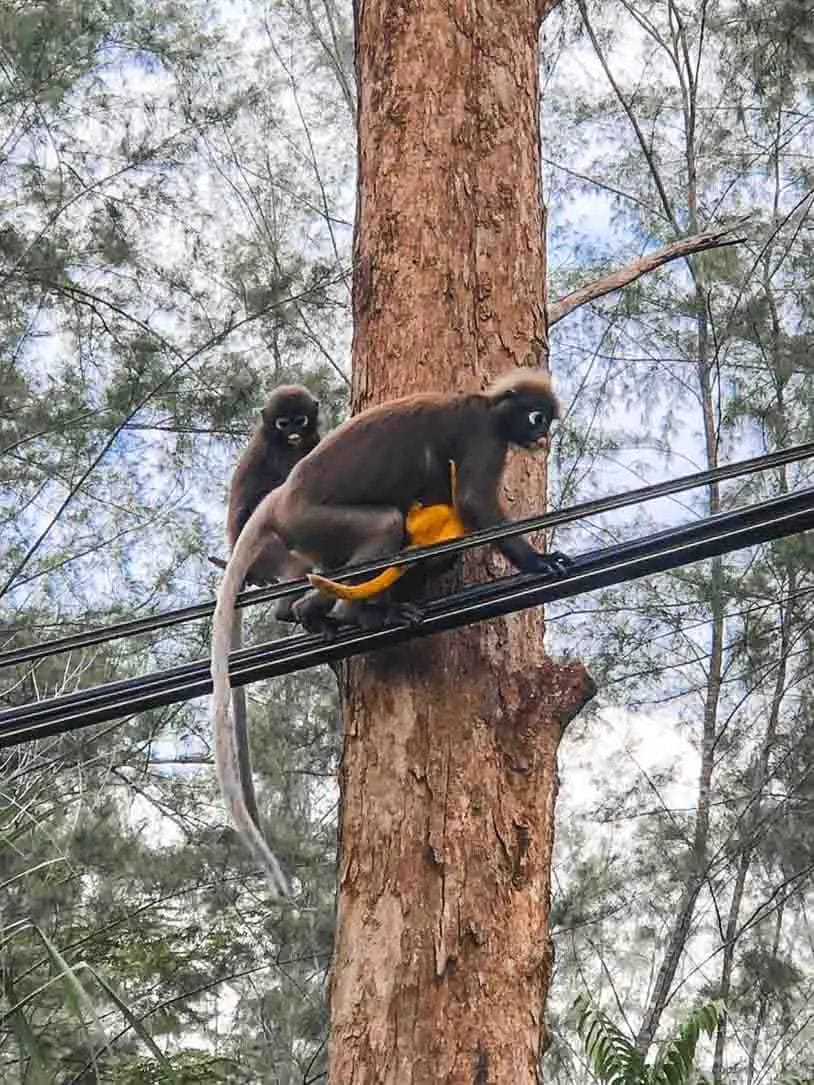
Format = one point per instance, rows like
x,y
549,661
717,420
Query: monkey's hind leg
x,y
294,568
348,535
425,525
374,614
319,612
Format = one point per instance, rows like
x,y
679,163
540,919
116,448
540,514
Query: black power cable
x,y
479,538
669,549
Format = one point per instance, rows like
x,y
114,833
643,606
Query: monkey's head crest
x,y
525,405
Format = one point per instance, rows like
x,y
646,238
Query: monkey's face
x,y
526,419
294,429
291,418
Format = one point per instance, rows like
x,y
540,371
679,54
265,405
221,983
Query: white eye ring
x,y
301,421
281,423
536,417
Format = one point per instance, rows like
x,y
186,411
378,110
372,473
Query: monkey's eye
x,y
536,418
301,421
282,424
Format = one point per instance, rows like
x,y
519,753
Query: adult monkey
x,y
288,430
348,501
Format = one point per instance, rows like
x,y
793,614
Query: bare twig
x,y
545,7
686,246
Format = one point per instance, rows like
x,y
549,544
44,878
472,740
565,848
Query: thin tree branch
x,y
544,9
685,246
664,199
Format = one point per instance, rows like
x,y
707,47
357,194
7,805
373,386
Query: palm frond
x,y
612,1055
675,1063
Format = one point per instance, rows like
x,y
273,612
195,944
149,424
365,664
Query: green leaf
x,y
612,1055
134,1022
38,1063
675,1063
78,997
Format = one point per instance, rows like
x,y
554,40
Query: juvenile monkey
x,y
288,430
348,502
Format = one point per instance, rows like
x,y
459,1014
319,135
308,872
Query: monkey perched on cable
x,y
348,502
288,430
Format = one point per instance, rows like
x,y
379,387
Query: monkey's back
x,y
395,453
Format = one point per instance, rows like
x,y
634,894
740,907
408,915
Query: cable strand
x,y
508,529
715,535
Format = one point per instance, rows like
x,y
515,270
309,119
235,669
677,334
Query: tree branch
x,y
544,9
712,239
644,144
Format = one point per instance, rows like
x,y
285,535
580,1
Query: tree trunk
x,y
449,775
763,1002
698,867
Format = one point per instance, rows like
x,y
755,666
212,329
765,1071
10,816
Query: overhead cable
x,y
658,552
545,521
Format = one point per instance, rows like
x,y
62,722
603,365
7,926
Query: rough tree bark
x,y
449,774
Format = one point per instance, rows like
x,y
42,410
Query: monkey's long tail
x,y
227,759
425,525
240,711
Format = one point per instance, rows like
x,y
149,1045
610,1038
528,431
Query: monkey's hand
x,y
526,559
552,563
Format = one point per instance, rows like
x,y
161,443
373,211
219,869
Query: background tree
x,y
706,121
139,338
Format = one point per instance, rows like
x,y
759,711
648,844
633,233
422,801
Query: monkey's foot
x,y
284,610
323,625
311,611
370,616
390,614
405,614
